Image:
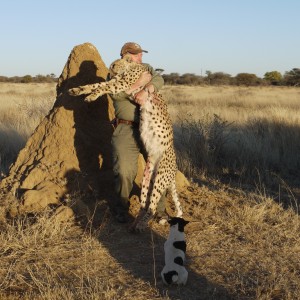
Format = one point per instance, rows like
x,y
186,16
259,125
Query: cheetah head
x,y
120,66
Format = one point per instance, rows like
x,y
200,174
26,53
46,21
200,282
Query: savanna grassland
x,y
238,146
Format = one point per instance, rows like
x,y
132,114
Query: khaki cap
x,y
132,48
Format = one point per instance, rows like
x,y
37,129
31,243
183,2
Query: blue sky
x,y
182,36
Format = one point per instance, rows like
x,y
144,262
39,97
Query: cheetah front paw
x,y
75,91
92,97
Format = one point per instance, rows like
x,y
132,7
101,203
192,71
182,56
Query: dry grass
x,y
235,104
245,132
240,244
22,108
247,244
44,259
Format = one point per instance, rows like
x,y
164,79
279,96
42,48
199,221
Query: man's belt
x,y
117,121
131,123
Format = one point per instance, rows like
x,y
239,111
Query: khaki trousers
x,y
126,145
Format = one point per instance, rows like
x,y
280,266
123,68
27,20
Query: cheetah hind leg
x,y
155,196
141,221
139,224
148,171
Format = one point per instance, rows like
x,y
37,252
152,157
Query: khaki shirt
x,y
127,109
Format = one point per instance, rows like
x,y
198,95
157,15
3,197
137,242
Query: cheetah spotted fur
x,y
156,134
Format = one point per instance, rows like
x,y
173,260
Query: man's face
x,y
138,58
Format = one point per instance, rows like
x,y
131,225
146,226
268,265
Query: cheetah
x,y
156,134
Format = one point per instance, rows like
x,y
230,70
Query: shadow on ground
x,y
142,255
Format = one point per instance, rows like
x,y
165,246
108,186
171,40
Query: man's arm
x,y
154,85
156,82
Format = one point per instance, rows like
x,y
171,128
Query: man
x,y
126,141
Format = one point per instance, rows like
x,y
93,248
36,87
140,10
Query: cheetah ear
x,y
127,57
111,70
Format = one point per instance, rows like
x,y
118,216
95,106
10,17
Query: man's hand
x,y
141,97
144,79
